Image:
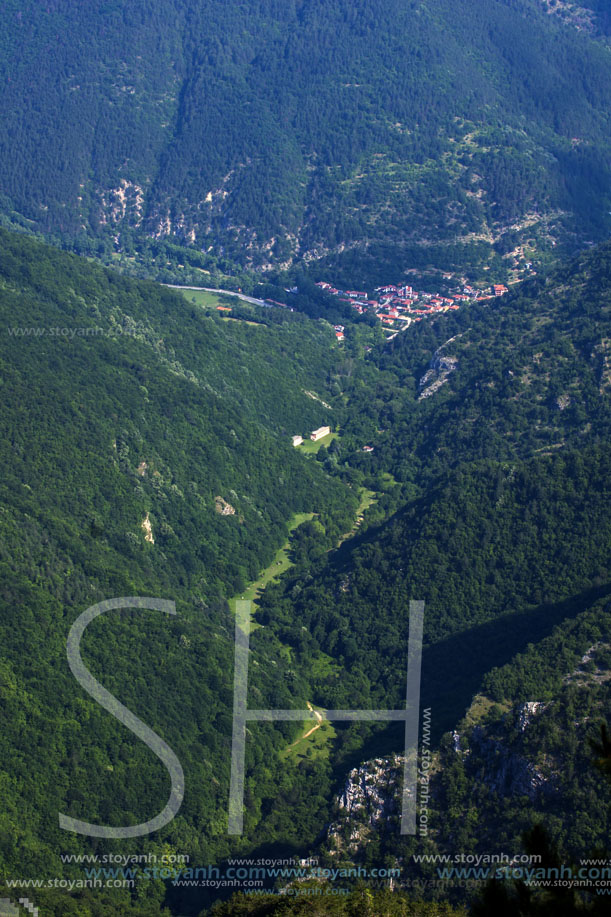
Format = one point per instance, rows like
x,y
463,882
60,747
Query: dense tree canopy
x,y
261,132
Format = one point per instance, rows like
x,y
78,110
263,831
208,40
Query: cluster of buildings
x,y
315,435
398,306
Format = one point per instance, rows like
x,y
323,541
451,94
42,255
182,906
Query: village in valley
x,y
398,306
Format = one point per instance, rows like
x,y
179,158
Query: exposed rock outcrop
x,y
223,507
370,802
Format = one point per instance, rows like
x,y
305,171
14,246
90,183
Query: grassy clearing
x,y
311,743
279,565
312,746
229,318
204,299
481,707
366,499
210,302
309,447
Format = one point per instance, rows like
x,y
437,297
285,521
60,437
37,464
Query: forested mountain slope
x,y
502,528
141,456
523,755
511,378
506,460
130,415
528,738
272,131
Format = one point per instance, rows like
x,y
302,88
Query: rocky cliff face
x,y
504,770
494,758
370,801
441,366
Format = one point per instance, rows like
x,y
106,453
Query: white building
x,y
315,435
297,440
